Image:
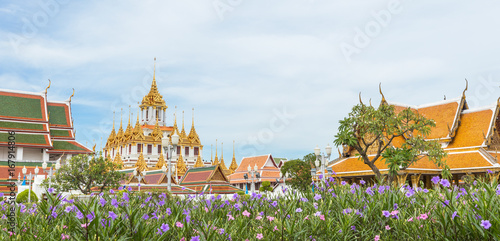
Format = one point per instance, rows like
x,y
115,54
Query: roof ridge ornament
x,y
380,90
72,95
466,86
47,87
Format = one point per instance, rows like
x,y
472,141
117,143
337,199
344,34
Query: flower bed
x,y
332,212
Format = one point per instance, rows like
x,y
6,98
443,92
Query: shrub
x,y
266,187
23,197
241,193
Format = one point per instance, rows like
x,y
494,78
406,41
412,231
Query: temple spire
x,y
216,161
233,166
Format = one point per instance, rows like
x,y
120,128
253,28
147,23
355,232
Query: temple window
x,y
129,149
150,149
186,151
196,151
139,148
159,149
147,114
178,150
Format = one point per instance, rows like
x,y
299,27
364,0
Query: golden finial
x,y
370,101
192,121
47,87
233,166
222,151
154,71
211,153
380,90
182,120
129,111
113,120
360,101
93,148
233,148
466,86
72,95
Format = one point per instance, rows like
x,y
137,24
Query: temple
x,y
470,137
139,145
44,131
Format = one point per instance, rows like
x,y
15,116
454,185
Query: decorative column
x,y
20,152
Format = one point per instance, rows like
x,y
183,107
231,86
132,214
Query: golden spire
x,y
216,161
233,165
382,94
119,136
161,162
181,166
222,164
193,136
153,98
211,153
137,133
183,137
47,87
175,129
118,159
112,135
141,165
128,132
198,163
157,134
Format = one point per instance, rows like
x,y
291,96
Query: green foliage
x,y
82,172
241,193
23,197
299,172
266,187
339,212
371,131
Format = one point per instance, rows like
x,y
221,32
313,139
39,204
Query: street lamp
x,y
139,177
254,175
321,160
18,182
282,177
51,171
169,147
30,176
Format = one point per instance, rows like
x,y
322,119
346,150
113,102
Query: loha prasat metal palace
x,y
470,137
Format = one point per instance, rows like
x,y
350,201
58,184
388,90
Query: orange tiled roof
x,y
473,128
245,162
467,160
443,114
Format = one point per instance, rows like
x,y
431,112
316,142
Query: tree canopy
x,y
372,131
82,172
299,172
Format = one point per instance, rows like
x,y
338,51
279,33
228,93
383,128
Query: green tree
x,y
266,187
299,172
371,132
82,172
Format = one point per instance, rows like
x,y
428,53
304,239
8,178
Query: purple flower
x,y
298,210
489,171
54,214
445,182
274,203
79,214
435,179
169,212
111,191
353,228
343,183
90,216
129,189
386,213
485,224
195,238
145,216
125,196
454,215
112,215
317,197
164,227
68,209
102,202
50,190
114,203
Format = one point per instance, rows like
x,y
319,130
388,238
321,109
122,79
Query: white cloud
x,y
259,58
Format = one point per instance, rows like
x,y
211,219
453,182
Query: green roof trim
x,y
20,125
64,145
60,133
21,107
25,138
21,164
201,169
57,115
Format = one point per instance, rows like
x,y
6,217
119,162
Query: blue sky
x,y
275,77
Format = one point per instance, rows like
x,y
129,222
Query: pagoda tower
x,y
145,138
234,165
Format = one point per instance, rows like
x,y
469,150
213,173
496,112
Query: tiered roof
x,y
469,137
266,165
38,123
207,179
